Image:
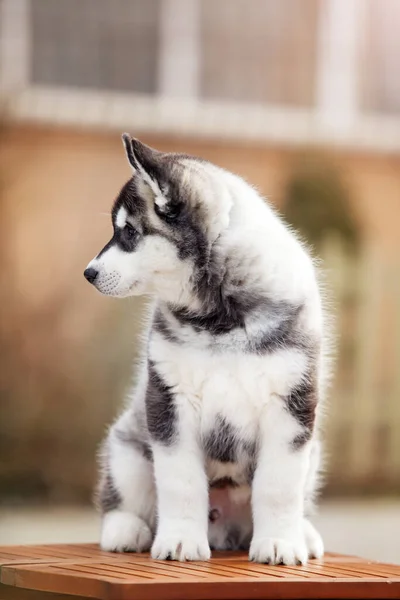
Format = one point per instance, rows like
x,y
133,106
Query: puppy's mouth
x,y
114,290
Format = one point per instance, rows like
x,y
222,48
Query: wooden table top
x,y
68,572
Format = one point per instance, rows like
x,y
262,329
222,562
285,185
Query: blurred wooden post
x,y
15,55
364,407
394,442
337,54
179,52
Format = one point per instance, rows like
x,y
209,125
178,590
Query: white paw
x,y
183,546
124,532
314,543
277,551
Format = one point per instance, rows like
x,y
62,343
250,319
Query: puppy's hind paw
x,y
124,532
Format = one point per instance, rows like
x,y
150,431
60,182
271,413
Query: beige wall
x,y
66,350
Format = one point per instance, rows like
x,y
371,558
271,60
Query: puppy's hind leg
x,y
126,493
313,539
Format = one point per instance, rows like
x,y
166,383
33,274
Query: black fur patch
x,y
108,495
221,443
131,200
223,482
128,437
146,157
224,444
251,449
228,311
127,141
127,238
162,327
215,322
301,403
185,230
160,408
301,439
232,312
284,334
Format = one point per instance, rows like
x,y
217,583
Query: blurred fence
x,y
290,71
67,353
363,423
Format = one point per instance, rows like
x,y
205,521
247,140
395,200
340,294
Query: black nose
x,y
90,274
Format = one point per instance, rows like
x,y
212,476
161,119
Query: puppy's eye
x,y
129,231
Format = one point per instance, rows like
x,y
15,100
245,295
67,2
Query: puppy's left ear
x,y
146,162
142,158
127,141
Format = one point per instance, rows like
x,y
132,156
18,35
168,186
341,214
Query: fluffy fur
x,y
219,444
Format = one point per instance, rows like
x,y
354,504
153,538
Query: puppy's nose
x,y
90,274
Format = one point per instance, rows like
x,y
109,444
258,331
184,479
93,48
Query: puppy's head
x,y
165,220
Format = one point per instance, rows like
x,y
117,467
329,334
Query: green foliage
x,y
316,203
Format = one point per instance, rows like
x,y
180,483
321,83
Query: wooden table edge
x,y
20,581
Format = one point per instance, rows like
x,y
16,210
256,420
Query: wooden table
x,y
69,572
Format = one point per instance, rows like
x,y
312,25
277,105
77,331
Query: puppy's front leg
x,y
278,488
182,504
181,483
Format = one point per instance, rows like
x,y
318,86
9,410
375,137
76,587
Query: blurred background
x,y
302,98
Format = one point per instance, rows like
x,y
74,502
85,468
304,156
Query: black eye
x,y
129,231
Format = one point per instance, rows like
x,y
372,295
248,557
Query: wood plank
x,y
49,553
77,572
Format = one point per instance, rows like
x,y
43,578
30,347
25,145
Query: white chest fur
x,y
235,386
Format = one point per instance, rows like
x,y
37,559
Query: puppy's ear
x,y
144,161
127,141
142,158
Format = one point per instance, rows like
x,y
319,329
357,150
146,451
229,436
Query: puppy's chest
x,y
228,418
225,392
229,435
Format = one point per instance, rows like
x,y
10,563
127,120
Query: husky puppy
x,y
218,446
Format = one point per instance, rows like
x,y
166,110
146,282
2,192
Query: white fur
x,y
124,529
120,220
148,271
278,490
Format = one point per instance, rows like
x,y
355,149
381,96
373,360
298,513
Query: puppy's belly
x,y
229,501
230,521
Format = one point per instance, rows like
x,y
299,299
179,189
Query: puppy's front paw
x,y
191,545
124,532
315,545
277,551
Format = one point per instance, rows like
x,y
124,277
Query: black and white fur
x,y
219,444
